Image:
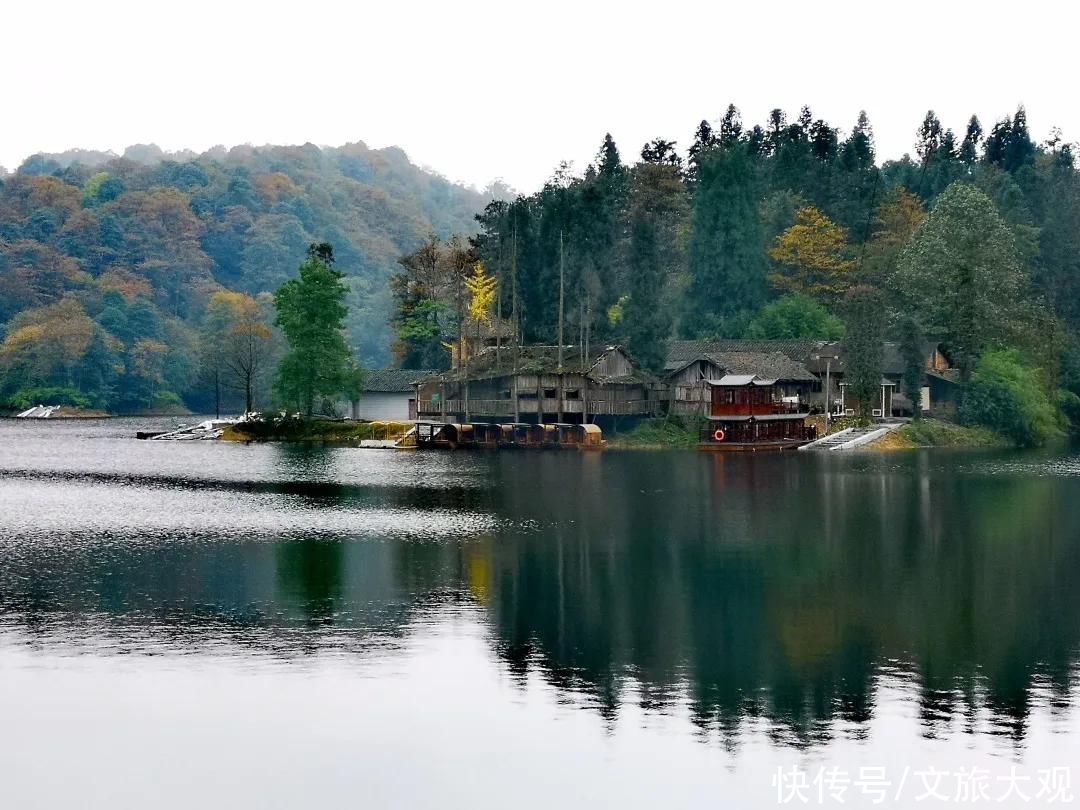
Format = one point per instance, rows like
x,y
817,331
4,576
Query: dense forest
x,y
138,281
791,229
145,280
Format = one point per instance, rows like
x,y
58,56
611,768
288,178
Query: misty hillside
x,y
169,229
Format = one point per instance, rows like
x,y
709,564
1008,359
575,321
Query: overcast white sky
x,y
478,90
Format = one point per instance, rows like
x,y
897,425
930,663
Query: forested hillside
x,y
789,229
107,264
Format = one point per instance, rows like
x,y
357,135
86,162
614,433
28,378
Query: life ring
x,y
719,435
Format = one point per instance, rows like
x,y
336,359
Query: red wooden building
x,y
749,413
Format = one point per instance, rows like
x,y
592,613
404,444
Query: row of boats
x,y
515,435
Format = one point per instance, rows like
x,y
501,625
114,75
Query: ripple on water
x,y
45,512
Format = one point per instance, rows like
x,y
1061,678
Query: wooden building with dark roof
x,y
530,384
686,383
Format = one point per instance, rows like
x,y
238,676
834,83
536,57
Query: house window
x,y
550,393
573,393
505,394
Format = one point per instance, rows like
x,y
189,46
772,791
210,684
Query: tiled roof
x,y
389,380
490,363
773,366
681,352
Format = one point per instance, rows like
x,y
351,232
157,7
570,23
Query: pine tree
x,y
726,261
608,161
969,149
657,211
731,128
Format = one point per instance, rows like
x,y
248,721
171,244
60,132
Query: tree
x,y
482,290
1007,396
795,317
423,293
864,311
961,276
913,351
235,344
969,149
813,257
898,218
657,210
726,263
310,313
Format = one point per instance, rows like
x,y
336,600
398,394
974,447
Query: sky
x,y
485,90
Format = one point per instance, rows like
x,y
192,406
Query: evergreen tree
x,y
864,333
657,210
1019,149
969,149
311,313
856,183
705,141
912,351
726,260
731,128
608,161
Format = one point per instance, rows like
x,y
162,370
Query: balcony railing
x,y
528,405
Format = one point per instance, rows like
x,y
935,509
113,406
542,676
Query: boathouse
x,y
747,412
539,384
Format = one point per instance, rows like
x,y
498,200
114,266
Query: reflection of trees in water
x,y
759,587
311,572
749,587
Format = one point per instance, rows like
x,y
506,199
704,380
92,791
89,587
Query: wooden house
x,y
889,399
539,384
803,369
747,412
691,365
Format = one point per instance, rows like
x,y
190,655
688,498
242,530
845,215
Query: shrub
x,y
29,397
1069,404
1008,397
793,317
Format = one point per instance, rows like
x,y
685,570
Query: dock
x,y
852,438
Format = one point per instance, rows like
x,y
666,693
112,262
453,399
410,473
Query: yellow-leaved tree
x,y
813,257
482,291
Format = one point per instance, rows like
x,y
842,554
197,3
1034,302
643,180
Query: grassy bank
x,y
659,434
316,431
936,433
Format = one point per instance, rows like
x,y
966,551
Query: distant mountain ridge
x,y
257,209
130,248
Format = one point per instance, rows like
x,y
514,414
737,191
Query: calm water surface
x,y
213,625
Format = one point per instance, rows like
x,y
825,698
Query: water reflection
x,y
772,593
781,589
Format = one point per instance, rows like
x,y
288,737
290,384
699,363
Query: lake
x,y
268,626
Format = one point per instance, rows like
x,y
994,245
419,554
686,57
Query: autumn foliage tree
x,y
235,344
813,257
